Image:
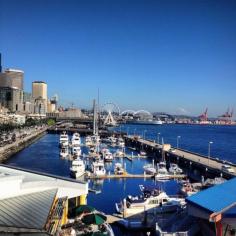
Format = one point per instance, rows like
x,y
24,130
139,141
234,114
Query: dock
x,y
127,175
212,165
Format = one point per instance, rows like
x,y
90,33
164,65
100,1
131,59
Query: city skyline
x,y
173,57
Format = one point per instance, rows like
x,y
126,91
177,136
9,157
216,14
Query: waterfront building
x,y
71,113
11,98
214,209
34,203
17,119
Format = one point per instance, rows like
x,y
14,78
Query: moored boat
x,y
77,168
151,200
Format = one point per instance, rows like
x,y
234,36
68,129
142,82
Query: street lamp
x,y
158,135
209,150
144,133
177,141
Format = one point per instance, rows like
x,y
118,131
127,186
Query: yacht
x,y
119,153
150,169
64,139
118,169
151,200
95,139
187,189
120,142
77,168
76,151
108,156
175,169
142,153
162,172
64,152
75,141
98,168
112,140
88,141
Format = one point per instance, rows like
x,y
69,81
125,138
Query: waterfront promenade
x,y
20,143
209,163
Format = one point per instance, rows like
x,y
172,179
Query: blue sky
x,y
173,56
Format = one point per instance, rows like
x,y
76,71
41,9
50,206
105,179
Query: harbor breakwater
x,y
10,149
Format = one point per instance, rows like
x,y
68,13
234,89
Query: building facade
x,y
11,98
12,78
11,89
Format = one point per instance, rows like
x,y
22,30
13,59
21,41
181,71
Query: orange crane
x,y
204,116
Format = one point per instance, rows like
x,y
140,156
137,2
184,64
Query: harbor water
x,y
44,156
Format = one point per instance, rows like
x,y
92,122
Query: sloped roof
x,y
28,211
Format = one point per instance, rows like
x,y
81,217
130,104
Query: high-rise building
x,y
39,90
12,78
11,98
11,89
39,96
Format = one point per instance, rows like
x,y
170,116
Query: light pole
x,y
209,151
158,135
144,133
177,141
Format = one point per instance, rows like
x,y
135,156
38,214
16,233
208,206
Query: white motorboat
x,y
95,140
77,168
108,156
76,151
188,189
120,142
149,169
119,153
98,168
175,169
162,172
75,140
88,141
64,152
64,139
118,169
152,200
142,153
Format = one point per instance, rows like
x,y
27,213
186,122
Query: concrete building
x,y
39,97
11,98
71,113
17,119
39,89
34,203
12,78
11,89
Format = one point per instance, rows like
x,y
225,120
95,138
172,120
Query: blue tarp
x,y
216,198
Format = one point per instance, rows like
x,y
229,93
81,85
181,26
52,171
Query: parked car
x,y
227,168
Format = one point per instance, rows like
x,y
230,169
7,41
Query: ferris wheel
x,y
110,110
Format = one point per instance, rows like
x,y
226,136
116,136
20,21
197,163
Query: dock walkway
x,y
208,163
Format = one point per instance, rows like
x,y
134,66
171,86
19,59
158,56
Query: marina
x,y
101,185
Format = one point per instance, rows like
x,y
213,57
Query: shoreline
x,y
9,150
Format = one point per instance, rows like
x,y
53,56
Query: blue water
x,y
44,156
194,138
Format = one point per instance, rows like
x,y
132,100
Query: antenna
x,y
0,63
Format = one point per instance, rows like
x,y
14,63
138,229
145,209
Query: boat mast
x,y
94,117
